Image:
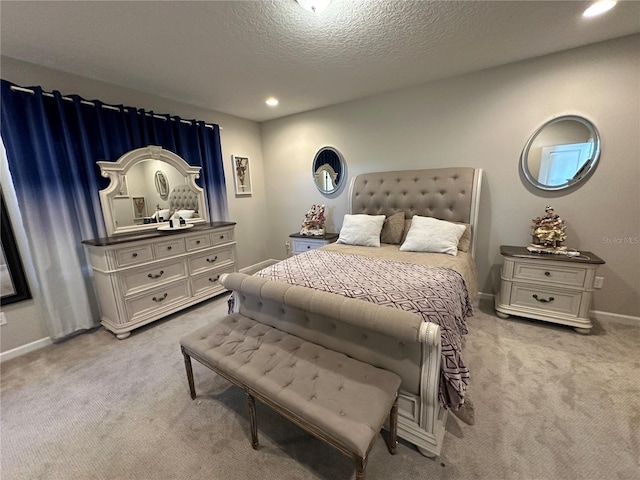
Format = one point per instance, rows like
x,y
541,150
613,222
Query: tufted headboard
x,y
182,197
451,194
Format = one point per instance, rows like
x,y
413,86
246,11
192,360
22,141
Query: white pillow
x,y
361,230
163,213
429,234
186,214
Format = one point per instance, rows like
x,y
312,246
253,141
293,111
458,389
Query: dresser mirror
x,y
328,170
561,153
147,186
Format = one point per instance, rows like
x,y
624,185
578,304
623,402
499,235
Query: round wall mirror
x,y
561,153
328,170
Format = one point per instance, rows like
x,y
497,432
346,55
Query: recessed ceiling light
x,y
272,102
599,8
315,6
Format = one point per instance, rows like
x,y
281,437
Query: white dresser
x,y
547,287
302,243
142,278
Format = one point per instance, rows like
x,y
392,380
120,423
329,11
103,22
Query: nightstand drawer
x,y
531,296
300,246
550,274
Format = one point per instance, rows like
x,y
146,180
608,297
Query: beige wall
x,y
238,137
483,120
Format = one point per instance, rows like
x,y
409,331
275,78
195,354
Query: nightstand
x,y
302,243
549,287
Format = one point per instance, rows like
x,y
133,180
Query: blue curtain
x,y
52,145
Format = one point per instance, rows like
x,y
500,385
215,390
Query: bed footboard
x,y
385,337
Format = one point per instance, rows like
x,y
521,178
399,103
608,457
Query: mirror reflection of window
x,y
560,153
559,164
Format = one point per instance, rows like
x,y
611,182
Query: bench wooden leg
x,y
392,442
361,466
187,365
253,423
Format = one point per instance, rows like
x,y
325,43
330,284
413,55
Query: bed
x,y
440,287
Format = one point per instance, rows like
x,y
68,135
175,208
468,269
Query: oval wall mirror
x,y
561,153
328,170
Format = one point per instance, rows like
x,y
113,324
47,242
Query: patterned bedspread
x,y
438,294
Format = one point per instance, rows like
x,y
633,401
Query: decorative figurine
x,y
548,232
313,223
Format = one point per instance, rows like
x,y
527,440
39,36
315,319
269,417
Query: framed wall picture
x,y
139,207
242,174
13,281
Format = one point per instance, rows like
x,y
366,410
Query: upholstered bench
x,y
336,398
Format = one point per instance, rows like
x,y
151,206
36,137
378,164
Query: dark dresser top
x,y
522,252
327,236
151,234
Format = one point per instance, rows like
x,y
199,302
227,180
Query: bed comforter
x,y
439,294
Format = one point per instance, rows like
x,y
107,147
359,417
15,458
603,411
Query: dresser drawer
x,y
138,279
159,298
549,274
548,299
169,247
133,255
211,259
223,236
198,242
209,281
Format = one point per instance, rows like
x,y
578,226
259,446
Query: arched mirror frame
x,y
117,170
322,168
582,173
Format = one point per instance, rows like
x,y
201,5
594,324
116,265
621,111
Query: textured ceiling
x,y
230,56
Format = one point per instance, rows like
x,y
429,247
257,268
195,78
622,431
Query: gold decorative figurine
x,y
548,233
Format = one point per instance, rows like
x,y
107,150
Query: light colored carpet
x,y
549,404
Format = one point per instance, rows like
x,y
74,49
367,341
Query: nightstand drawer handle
x,y
547,274
151,275
160,299
308,247
214,259
543,300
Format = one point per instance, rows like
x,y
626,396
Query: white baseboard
x,y
251,269
29,347
606,317
615,318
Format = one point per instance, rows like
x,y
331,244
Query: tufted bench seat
x,y
338,399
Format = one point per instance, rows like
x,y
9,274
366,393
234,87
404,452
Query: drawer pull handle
x,y
547,274
543,300
221,237
169,247
197,242
151,275
156,299
214,259
308,247
134,254
214,279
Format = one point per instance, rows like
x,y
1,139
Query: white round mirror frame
x,y
582,171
